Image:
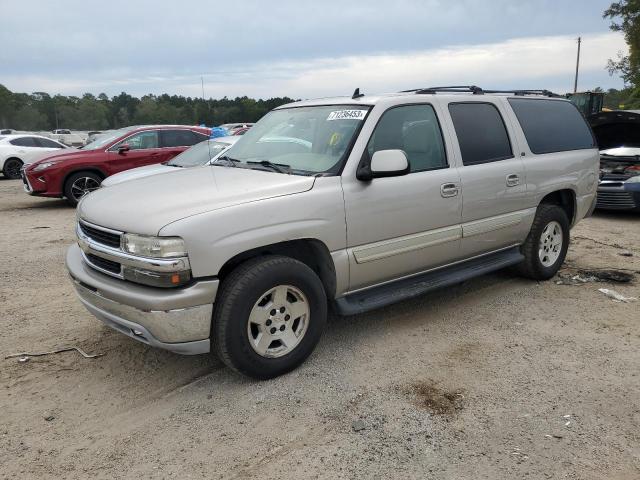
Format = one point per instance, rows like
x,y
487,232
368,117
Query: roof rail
x,y
478,91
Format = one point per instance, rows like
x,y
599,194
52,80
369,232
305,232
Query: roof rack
x,y
477,91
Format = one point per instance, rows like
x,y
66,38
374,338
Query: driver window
x,y
415,130
142,140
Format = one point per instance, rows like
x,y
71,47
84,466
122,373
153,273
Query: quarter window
x,y
552,125
481,133
46,143
415,130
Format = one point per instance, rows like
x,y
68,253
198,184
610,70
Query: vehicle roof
x,y
11,136
370,100
148,127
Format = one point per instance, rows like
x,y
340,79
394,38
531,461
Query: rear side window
x,y
481,133
180,138
552,125
415,130
24,142
46,143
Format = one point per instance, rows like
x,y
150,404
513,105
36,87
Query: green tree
x,y
625,18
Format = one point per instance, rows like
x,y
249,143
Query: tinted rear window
x,y
481,133
552,125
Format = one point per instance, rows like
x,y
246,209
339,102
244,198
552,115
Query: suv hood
x,y
67,154
145,205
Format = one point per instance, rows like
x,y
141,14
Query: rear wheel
x,y
11,168
269,316
79,184
546,246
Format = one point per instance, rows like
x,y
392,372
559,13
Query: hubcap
x,y
82,186
550,244
278,321
13,169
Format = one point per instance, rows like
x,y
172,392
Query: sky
x,y
301,48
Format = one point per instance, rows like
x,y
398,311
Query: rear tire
x,y
11,168
546,246
79,184
269,316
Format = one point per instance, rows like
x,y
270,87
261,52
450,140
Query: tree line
x,y
41,111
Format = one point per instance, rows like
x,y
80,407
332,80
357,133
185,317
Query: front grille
x,y
100,236
615,200
103,263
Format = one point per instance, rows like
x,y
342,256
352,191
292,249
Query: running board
x,y
407,288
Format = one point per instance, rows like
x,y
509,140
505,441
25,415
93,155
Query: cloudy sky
x,y
301,48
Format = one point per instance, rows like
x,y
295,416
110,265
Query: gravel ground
x,y
497,378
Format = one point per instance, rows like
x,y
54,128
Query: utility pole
x,y
202,80
575,82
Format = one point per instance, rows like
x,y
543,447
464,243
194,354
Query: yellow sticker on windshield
x,y
347,115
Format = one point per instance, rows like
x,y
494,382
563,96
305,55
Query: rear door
x,y
492,175
27,148
175,141
398,226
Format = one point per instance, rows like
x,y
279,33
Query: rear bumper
x,y
618,196
178,320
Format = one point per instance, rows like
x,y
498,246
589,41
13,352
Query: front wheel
x,y
11,168
269,316
546,246
79,184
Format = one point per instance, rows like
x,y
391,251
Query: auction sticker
x,y
347,115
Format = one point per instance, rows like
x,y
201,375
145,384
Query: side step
x,y
400,290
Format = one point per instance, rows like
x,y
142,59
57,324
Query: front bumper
x,y
178,320
614,195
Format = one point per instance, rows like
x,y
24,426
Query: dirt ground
x,y
497,378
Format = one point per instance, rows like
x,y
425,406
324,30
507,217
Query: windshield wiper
x,y
230,162
276,167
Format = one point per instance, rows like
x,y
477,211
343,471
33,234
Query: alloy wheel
x,y
550,244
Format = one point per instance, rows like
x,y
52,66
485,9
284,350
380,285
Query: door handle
x,y
449,190
513,180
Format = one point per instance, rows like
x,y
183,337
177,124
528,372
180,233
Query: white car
x,y
19,150
200,154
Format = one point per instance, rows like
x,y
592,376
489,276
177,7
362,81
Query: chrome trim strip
x,y
100,269
98,227
87,245
486,225
407,243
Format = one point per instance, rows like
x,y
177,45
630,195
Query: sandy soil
x,y
497,378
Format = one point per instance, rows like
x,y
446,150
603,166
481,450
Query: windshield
x,y
308,140
199,154
105,139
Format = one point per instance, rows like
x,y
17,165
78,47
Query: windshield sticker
x,y
347,115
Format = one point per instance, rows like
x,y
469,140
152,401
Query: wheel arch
x,y
565,199
310,251
95,170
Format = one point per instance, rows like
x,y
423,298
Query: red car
x,y
72,175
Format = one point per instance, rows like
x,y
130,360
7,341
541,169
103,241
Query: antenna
x,y
357,94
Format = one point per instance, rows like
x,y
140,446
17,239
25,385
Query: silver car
x,y
200,154
349,203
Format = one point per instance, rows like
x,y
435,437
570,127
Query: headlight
x,y
45,165
154,247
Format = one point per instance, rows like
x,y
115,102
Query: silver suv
x,y
346,203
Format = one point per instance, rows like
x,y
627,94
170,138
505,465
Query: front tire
x,y
546,246
269,316
79,184
11,168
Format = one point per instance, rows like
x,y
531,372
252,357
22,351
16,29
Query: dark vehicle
x,y
618,137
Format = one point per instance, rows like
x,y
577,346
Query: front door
x,y
144,149
402,225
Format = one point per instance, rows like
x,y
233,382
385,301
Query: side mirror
x,y
385,163
123,148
